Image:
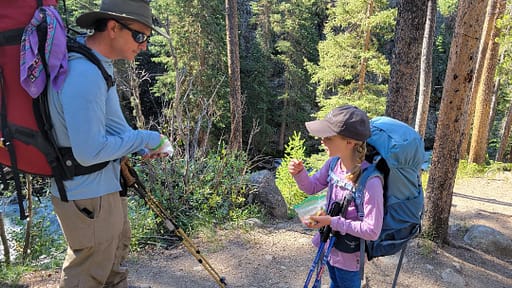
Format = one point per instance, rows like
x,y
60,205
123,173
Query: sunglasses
x,y
137,36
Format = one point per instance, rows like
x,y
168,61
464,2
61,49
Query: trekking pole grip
x,y
335,210
126,172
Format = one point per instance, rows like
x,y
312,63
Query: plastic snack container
x,y
311,206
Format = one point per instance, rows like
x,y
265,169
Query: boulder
x,y
489,240
267,194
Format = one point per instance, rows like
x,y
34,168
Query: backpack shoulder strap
x,y
331,178
77,47
368,172
332,165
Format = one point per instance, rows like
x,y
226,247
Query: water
x,y
42,210
426,160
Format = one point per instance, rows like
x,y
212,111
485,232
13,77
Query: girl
x,y
344,132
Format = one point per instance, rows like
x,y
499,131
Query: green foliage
x,y
284,180
504,96
204,193
445,26
143,224
71,9
47,245
255,71
316,161
440,54
447,7
470,170
338,71
428,234
427,247
372,105
293,44
195,60
10,275
424,180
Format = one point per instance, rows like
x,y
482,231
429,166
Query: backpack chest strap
x,y
342,183
334,180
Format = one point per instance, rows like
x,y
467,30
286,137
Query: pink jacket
x,y
368,229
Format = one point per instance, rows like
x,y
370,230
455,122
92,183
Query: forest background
x,y
238,79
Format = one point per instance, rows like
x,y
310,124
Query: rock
x,y
253,222
267,194
453,278
489,240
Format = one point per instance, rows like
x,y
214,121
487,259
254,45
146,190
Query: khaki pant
x,y
98,235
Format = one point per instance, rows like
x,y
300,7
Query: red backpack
x,y
26,141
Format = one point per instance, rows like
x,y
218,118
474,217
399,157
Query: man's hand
x,y
164,149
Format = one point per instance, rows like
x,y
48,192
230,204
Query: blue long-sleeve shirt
x,y
88,117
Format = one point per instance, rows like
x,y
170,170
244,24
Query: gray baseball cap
x,y
135,10
347,120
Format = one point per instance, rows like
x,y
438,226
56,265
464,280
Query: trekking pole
x,y
320,272
324,236
132,180
337,209
341,210
315,263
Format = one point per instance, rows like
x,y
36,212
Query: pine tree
x,y
339,70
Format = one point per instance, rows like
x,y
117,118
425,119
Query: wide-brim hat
x,y
135,10
347,120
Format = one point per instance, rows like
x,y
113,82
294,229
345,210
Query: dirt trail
x,y
279,255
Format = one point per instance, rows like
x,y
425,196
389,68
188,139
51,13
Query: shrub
x,y
294,149
205,192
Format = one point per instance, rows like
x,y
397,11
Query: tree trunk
x,y
477,80
28,227
265,8
364,60
405,64
235,95
282,129
480,135
425,87
175,104
5,243
452,118
135,81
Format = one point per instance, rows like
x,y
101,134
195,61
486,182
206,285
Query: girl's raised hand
x,y
295,166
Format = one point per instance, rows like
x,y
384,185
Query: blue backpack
x,y
396,152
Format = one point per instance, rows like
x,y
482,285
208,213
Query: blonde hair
x,y
358,156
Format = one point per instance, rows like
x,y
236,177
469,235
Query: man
x,y
87,117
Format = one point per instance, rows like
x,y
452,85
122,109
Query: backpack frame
x,y
27,143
